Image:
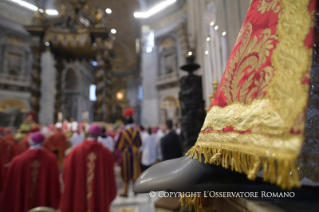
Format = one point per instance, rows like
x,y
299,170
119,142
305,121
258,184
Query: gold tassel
x,y
197,203
279,171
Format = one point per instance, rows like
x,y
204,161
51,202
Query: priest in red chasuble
x,y
8,135
88,175
1,176
129,142
8,148
32,179
57,143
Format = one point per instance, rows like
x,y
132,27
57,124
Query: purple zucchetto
x,y
95,129
37,137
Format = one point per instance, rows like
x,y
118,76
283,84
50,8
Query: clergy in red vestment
x,y
57,143
32,179
8,149
8,135
1,176
88,175
24,144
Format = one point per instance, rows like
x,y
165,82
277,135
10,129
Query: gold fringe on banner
x,y
280,171
262,137
198,203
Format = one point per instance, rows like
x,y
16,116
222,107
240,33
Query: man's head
x,y
36,138
142,128
168,125
94,131
129,120
30,117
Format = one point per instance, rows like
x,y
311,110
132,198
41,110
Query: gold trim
x,y
34,176
278,146
259,116
282,171
284,102
197,203
90,176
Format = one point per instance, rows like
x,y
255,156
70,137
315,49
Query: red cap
x,y
37,137
128,112
95,129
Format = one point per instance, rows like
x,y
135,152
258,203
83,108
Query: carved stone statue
x,y
192,104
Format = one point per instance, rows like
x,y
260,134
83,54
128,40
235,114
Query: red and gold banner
x,y
257,116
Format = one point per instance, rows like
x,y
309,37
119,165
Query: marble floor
x,y
138,203
133,203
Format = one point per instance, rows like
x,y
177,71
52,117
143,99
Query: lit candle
x,y
85,116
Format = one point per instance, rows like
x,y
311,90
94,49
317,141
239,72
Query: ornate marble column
x,y
103,83
37,49
58,85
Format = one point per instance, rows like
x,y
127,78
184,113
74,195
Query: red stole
x,y
89,180
32,180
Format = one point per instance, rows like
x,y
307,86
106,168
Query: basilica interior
x,y
89,60
96,57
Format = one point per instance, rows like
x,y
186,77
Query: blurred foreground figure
x,y
57,143
129,142
32,179
88,176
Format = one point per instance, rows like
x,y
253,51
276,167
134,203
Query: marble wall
x,y
15,68
157,85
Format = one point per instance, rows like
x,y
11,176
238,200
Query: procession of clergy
x,y
29,173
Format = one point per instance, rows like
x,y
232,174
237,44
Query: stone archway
x,y
9,104
11,112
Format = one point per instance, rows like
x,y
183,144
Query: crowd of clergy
x,y
70,167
